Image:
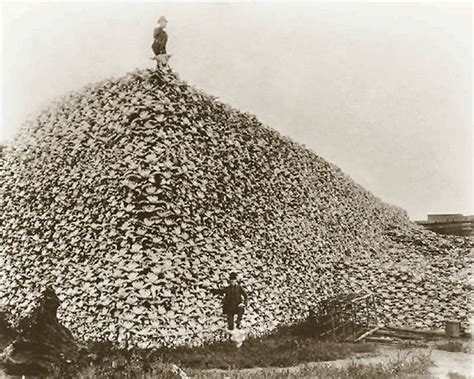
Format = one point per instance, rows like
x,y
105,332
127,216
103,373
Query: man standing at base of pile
x,y
235,301
160,38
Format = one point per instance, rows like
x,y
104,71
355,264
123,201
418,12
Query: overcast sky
x,y
382,90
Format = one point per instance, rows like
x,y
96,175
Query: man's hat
x,y
232,276
162,18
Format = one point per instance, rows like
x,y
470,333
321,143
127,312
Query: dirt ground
x,y
447,362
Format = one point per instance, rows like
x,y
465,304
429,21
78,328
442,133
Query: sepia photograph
x,y
236,190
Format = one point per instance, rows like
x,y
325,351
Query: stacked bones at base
x,y
135,195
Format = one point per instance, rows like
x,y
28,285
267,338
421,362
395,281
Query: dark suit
x,y
233,296
159,41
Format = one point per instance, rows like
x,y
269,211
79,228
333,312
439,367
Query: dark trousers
x,y
230,319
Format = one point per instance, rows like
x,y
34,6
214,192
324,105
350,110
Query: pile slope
x,y
134,196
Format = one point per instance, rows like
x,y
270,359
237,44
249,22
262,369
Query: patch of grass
x,y
102,360
254,353
452,346
404,366
284,348
157,371
410,344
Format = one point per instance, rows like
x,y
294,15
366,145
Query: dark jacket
x,y
159,41
233,296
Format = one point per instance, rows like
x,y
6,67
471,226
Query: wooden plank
x,y
389,341
399,335
418,331
366,334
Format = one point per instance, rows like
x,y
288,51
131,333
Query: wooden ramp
x,y
347,317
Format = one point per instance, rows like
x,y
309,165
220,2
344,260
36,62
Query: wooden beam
x,y
368,333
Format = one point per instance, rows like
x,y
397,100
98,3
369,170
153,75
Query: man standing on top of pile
x,y
235,301
160,38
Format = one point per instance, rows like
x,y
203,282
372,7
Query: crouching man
x,y
234,302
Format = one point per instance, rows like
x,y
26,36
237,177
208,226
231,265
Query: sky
x,y
382,90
